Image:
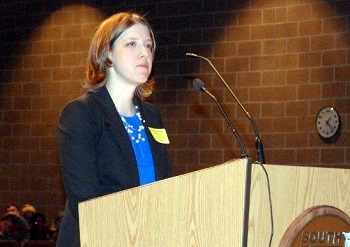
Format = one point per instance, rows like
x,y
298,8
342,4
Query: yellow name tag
x,y
159,135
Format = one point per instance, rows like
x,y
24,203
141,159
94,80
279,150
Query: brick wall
x,y
283,59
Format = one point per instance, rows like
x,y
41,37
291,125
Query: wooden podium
x,y
207,207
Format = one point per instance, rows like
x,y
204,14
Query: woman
x,y
109,139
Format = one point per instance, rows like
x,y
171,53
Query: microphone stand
x,y
258,143
202,88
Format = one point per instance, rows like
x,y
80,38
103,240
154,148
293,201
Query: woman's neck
x,y
122,98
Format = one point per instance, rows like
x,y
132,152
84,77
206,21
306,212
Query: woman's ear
x,y
108,61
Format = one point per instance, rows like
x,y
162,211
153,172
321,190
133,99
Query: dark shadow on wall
x,y
339,6
19,20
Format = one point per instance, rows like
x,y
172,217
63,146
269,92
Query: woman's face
x,y
132,55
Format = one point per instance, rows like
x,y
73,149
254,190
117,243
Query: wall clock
x,y
328,124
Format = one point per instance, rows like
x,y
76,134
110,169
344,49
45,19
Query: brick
x,y
283,156
322,7
250,17
297,108
332,155
285,125
81,45
285,93
275,77
199,142
299,13
237,64
299,76
61,46
238,33
298,44
308,92
20,129
248,79
274,15
322,74
50,33
73,59
41,47
225,49
285,30
335,57
311,59
72,31
258,63
32,62
272,109
187,157
308,156
320,43
210,126
61,74
32,116
306,123
52,61
271,47
265,125
297,140
21,157
342,73
311,27
249,48
288,61
263,94
22,103
334,25
42,75
262,32
333,90
63,18
211,157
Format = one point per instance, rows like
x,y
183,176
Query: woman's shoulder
x,y
84,101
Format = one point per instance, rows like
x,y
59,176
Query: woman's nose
x,y
144,51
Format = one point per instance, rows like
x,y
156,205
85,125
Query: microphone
x,y
258,141
200,86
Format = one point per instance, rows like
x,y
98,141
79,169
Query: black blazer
x,y
96,155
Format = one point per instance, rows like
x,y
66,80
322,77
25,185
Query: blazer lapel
x,y
116,126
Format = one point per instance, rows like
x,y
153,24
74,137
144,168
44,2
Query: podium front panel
x,y
202,208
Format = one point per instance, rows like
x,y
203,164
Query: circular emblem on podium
x,y
319,226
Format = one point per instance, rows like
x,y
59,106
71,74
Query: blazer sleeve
x,y
77,134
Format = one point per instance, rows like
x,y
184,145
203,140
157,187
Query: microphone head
x,y
191,54
198,84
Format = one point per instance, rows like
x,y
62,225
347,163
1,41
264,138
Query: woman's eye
x,y
131,43
149,46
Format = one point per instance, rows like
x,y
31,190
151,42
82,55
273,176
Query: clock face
x,y
327,122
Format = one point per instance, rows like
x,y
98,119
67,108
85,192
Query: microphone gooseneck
x,y
258,141
200,86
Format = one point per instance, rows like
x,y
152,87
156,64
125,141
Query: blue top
x,y
142,150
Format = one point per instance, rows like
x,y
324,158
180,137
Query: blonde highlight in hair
x,y
101,44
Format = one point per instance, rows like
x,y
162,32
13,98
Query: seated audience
x,y
13,227
38,230
27,211
13,208
55,226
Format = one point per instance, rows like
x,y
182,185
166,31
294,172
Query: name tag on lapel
x,y
159,135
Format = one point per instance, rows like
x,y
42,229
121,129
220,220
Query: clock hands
x,y
327,122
